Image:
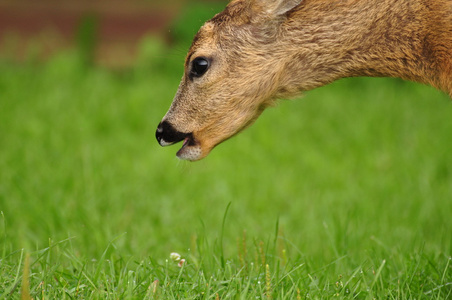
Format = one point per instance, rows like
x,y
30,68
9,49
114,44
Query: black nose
x,y
166,134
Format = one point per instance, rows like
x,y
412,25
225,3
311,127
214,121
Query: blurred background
x,y
107,32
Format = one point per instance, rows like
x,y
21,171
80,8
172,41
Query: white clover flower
x,y
175,256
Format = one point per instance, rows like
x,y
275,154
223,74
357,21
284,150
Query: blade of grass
x,y
377,274
222,233
3,235
25,289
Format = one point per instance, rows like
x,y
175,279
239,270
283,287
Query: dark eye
x,y
199,66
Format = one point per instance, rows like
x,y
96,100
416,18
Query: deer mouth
x,y
167,135
190,150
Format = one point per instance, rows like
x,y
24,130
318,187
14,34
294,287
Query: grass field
x,y
345,193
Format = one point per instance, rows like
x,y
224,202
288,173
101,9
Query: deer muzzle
x,y
167,135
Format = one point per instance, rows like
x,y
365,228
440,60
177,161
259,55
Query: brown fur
x,y
261,50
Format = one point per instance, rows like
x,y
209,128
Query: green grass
x,y
345,193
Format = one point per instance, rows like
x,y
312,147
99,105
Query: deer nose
x,y
167,135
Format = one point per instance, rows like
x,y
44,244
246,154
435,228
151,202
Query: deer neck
x,y
329,40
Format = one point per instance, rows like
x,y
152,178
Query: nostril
x,y
166,134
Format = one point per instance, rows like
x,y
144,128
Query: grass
x,y
342,194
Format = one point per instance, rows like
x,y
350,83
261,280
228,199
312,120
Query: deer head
x,y
230,77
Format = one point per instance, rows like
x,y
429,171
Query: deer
x,y
258,51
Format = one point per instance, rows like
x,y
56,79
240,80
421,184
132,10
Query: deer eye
x,y
199,66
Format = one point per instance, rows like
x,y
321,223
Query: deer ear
x,y
273,8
